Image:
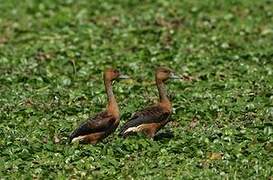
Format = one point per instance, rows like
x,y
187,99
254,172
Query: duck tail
x,y
164,135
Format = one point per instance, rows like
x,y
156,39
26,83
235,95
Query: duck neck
x,y
112,106
163,98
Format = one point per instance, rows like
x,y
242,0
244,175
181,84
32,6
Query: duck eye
x,y
116,71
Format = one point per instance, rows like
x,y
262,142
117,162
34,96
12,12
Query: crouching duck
x,y
151,119
103,124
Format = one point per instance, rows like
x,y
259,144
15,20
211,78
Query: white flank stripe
x,y
133,129
77,139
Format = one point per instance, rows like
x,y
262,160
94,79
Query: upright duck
x,y
151,119
103,124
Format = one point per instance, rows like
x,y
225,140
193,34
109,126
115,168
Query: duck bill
x,y
123,76
174,76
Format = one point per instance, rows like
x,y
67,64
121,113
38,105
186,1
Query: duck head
x,y
112,74
164,74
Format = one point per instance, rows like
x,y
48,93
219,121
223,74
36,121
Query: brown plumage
x,y
151,119
104,123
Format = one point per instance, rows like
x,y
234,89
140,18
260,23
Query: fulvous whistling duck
x,y
104,123
151,119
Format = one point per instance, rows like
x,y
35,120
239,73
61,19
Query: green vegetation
x,y
52,54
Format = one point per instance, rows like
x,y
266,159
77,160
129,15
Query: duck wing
x,y
101,122
152,114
